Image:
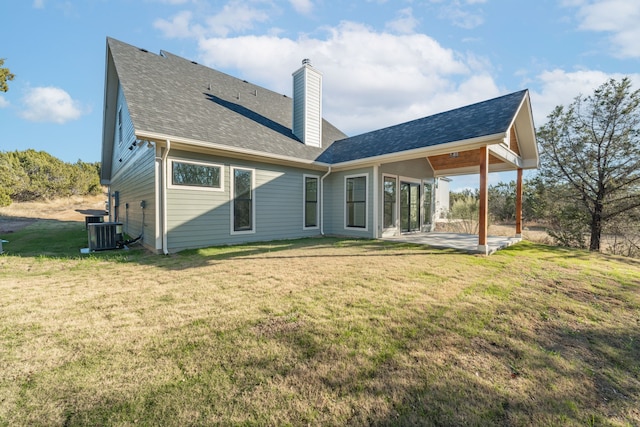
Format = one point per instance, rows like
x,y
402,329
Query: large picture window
x,y
310,201
356,201
243,200
196,175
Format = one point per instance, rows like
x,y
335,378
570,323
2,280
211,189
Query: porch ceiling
x,y
468,162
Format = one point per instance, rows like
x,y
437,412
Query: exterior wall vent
x,y
307,104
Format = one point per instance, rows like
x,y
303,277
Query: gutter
x,y
322,198
228,150
165,249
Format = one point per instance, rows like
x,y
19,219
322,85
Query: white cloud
x,y
179,26
302,6
405,23
50,104
3,102
234,17
619,18
462,15
559,87
38,4
397,78
172,2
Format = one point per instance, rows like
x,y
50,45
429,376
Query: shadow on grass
x,y
58,240
305,249
424,368
64,239
402,368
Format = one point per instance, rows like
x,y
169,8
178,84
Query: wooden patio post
x,y
483,208
519,204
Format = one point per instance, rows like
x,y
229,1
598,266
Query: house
x,y
194,157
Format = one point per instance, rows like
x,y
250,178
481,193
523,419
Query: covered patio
x,y
497,135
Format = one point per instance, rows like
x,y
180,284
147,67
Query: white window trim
x,y
366,202
396,214
304,201
170,183
431,182
232,197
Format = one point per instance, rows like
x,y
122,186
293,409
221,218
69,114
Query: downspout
x,y
109,200
375,201
322,199
165,249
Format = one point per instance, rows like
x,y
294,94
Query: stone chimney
x,y
307,104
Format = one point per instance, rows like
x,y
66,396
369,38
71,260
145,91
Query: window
x,y
119,124
356,201
428,203
310,201
195,175
389,209
242,200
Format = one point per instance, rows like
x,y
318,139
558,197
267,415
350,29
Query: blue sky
x,y
383,62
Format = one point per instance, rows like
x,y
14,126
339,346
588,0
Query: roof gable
x,y
169,95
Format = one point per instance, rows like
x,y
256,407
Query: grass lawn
x,y
315,332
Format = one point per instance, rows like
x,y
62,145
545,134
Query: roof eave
x,y
227,150
108,117
449,147
523,120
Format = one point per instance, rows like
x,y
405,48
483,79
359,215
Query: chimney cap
x,y
306,61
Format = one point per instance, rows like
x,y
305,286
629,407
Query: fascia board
x,y
505,154
108,116
449,147
228,151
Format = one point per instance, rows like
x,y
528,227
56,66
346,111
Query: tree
x,y
592,150
34,175
5,75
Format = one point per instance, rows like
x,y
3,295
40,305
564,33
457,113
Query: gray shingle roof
x,y
170,95
482,119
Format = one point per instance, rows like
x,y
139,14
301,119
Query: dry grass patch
x,y
321,332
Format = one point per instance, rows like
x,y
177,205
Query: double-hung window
x,y
356,201
311,201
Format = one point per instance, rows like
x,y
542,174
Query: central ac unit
x,y
105,235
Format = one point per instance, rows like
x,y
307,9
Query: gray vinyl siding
x,y
133,177
299,90
201,218
135,182
121,152
335,204
417,169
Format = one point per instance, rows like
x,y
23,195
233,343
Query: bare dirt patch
x,y
19,215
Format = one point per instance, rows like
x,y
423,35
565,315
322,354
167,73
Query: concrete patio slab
x,y
461,242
